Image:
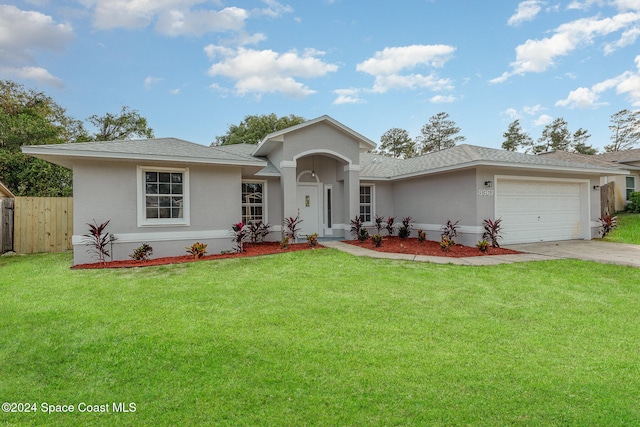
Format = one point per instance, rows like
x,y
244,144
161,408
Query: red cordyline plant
x,y
607,224
98,240
239,235
492,231
293,227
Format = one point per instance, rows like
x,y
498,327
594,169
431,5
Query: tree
x,y
29,117
579,143
625,128
515,137
555,136
128,124
254,128
397,143
440,133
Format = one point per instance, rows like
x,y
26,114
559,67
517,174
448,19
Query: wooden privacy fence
x,y
42,224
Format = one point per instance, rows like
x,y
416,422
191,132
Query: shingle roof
x,y
461,156
632,155
166,149
594,160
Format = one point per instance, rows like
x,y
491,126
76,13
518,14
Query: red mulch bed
x,y
266,248
428,247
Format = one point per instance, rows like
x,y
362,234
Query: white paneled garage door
x,y
538,211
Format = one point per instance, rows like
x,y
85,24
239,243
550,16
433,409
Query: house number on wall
x,y
485,192
306,200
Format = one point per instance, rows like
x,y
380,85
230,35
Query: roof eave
x,y
66,158
461,166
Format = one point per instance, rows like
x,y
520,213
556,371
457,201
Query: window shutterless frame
x,y
163,196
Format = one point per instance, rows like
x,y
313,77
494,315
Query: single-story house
x,y
171,193
626,161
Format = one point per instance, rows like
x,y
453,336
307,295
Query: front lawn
x,y
628,230
321,338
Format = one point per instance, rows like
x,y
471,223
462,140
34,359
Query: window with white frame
x,y
631,185
366,203
253,201
163,196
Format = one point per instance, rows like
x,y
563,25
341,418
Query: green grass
x,y
628,230
322,338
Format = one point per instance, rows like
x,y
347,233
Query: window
x,y
366,203
253,206
631,185
163,196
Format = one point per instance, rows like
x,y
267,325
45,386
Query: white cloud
x,y
175,91
392,60
266,71
536,56
389,66
171,17
440,99
627,83
543,120
532,110
37,74
512,113
527,11
627,38
348,96
22,35
150,81
274,9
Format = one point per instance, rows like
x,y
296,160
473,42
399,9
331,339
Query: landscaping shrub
x,y
377,240
379,223
390,225
450,230
143,253
607,224
358,228
239,234
404,231
293,227
634,202
422,235
257,231
446,243
284,243
483,245
98,240
197,250
312,239
492,231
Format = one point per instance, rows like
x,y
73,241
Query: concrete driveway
x,y
589,250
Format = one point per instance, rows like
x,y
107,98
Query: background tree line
x,y
441,132
30,117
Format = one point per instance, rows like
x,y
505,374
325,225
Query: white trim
x,y
168,236
288,164
143,221
163,236
305,172
464,229
328,230
373,202
585,197
265,198
322,151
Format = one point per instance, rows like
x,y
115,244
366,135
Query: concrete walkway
x,y
590,250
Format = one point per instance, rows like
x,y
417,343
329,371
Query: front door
x,y
309,209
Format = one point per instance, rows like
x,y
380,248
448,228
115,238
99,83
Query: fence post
x,y
6,225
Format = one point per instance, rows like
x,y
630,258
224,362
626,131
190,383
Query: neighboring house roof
x,y
170,150
266,145
617,159
5,192
624,156
373,166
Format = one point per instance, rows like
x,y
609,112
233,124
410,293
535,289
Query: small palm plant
x,y
98,240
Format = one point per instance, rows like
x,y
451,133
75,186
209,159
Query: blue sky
x,y
193,67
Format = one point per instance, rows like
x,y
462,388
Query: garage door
x,y
538,211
